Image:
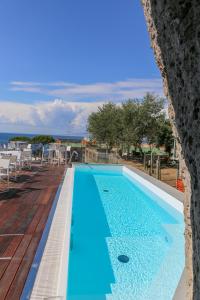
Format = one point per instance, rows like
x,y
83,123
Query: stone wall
x,y
174,27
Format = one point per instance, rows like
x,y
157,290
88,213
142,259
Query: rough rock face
x,y
174,27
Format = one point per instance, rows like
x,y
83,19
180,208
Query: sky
x,y
61,59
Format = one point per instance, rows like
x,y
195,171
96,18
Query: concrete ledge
x,y
27,290
51,279
165,187
180,293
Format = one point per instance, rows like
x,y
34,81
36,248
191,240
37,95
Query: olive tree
x,y
104,125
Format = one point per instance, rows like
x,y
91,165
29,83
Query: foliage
x,y
39,139
20,139
132,123
104,125
150,116
131,135
165,136
42,139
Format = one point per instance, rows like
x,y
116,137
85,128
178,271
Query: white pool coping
x,y
166,197
51,279
52,276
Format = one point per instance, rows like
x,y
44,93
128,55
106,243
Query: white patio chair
x,y
12,158
50,156
26,158
5,169
45,158
13,164
56,157
60,156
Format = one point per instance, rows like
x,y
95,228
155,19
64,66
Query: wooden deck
x,y
23,214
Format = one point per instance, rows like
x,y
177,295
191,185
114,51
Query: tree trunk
x,y
174,27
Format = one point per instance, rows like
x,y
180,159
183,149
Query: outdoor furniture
x,y
26,158
75,154
50,156
62,155
9,153
12,158
54,157
45,155
13,164
5,169
57,154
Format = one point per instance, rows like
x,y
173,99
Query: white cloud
x,y
53,117
64,116
100,91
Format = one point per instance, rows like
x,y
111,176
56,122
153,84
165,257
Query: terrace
x,y
24,211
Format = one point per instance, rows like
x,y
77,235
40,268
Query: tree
x,y
130,134
43,139
21,139
150,115
129,124
104,125
141,120
165,136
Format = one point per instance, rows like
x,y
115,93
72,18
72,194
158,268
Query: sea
x,y
5,137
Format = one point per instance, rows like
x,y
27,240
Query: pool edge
x,y
51,278
167,194
167,188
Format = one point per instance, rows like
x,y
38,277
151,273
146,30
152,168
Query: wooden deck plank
x,y
4,243
46,196
13,266
32,226
41,224
13,245
3,266
17,285
25,213
7,211
19,217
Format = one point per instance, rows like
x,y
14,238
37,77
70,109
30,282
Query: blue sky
x,y
60,59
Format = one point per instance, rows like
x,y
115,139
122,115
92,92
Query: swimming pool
x,y
126,242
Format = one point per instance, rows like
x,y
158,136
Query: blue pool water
x,y
113,216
